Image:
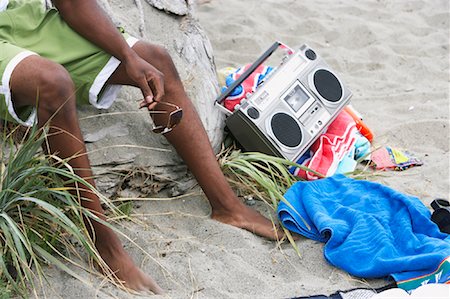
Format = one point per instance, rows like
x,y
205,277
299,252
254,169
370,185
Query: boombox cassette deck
x,y
291,107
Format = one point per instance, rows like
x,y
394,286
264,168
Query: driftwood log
x,y
127,158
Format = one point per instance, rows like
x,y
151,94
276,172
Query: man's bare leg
x,y
57,100
192,143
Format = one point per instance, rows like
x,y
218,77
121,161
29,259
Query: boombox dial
x,y
252,112
310,54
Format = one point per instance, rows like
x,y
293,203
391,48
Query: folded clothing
x,y
391,158
358,293
370,230
427,291
248,86
335,151
435,291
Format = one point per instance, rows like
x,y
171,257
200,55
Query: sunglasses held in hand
x,y
173,120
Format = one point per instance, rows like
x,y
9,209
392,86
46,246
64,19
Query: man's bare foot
x,y
246,218
115,256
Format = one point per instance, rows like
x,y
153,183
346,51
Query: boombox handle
x,y
248,72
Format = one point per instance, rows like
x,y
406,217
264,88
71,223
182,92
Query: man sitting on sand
x,y
73,54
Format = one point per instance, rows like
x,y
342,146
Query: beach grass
x,y
5,290
42,221
257,175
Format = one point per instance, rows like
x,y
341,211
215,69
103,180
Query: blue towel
x,y
369,229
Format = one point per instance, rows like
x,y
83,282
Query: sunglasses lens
x,y
175,118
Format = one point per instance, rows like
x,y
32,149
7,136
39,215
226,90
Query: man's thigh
x,y
44,32
10,57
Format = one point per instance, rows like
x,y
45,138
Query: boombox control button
x,y
310,54
253,113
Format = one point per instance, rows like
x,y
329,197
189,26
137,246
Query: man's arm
x,y
88,19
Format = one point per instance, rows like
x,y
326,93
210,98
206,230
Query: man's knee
x,y
159,53
159,57
55,90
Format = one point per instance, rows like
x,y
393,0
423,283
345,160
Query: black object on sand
x,y
441,214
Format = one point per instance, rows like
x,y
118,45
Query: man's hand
x,y
149,79
89,20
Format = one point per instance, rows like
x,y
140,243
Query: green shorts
x,y
28,27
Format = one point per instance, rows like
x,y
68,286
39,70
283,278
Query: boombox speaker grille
x,y
327,85
286,130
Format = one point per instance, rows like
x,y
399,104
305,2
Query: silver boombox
x,y
291,107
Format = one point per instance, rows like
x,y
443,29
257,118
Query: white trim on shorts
x,y
110,92
3,4
5,88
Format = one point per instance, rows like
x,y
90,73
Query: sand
x,y
393,55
